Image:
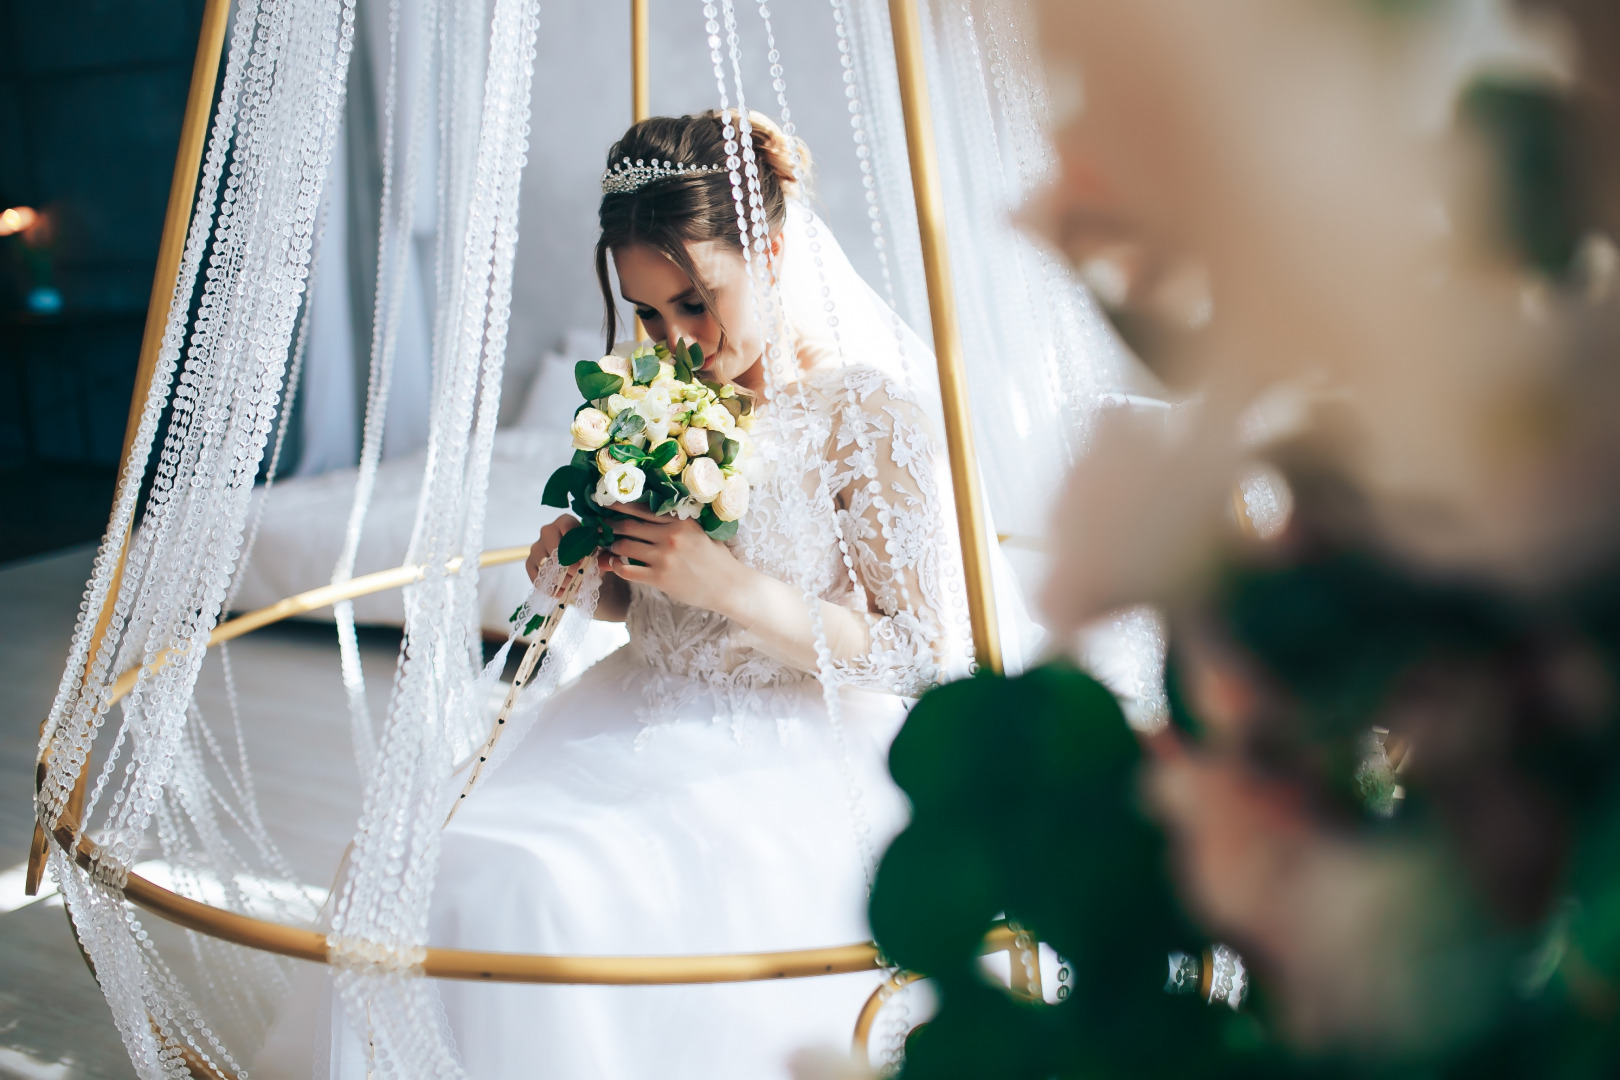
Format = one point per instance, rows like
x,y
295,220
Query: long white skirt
x,y
614,831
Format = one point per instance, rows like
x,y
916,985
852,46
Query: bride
x,y
719,784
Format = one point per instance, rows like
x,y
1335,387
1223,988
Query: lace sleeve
x,y
887,471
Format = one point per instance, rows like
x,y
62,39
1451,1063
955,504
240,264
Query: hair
x,y
672,212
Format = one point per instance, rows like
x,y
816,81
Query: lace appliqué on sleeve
x,y
886,483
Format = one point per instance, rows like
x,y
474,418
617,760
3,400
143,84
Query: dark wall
x,y
92,93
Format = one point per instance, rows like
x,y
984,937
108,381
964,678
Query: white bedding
x,y
305,518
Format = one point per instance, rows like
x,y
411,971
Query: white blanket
x,y
305,518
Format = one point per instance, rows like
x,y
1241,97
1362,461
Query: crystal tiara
x,y
625,176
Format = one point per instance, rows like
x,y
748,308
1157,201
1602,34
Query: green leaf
x,y
717,447
644,367
718,530
694,356
729,449
620,451
596,387
663,453
661,350
584,459
680,489
659,500
563,481
626,425
734,406
576,544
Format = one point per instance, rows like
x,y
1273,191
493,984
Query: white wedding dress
x,y
689,795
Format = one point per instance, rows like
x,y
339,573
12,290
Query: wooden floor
x,y
54,1024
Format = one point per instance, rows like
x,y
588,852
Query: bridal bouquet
x,y
651,432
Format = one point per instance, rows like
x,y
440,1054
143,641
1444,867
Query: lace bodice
x,y
847,505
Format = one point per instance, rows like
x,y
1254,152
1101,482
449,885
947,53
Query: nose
x,y
677,329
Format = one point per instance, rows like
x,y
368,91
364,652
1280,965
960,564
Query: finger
x,y
634,549
564,523
645,530
631,572
636,510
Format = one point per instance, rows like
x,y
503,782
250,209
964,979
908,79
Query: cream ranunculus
x,y
605,461
695,441
615,365
717,417
732,502
635,393
675,464
620,484
590,429
703,479
616,404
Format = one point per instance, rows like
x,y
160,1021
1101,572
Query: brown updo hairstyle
x,y
670,213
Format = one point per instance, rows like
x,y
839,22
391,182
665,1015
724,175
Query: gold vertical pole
x,y
970,515
640,62
640,92
176,222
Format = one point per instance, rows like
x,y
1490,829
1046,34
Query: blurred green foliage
x,y
1026,802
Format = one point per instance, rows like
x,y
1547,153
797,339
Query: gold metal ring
x,y
304,944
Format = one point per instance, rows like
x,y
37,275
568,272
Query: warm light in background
x,y
17,219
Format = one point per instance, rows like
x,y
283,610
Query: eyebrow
x,y
687,295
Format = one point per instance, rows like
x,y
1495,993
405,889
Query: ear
x,y
778,244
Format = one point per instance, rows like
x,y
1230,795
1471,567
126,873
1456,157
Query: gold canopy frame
x,y
306,944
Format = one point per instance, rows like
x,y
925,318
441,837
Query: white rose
x,y
615,365
590,429
732,502
687,510
703,479
620,484
616,404
666,372
695,441
657,431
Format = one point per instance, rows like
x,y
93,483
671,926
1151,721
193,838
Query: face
x,y
671,309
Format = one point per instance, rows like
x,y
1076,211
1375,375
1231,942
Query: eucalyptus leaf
x,y
644,367
729,449
627,425
717,447
716,529
593,382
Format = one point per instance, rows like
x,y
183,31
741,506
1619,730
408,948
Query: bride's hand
x,y
550,536
679,559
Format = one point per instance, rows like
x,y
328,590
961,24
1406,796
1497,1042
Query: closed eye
x,y
691,308
646,314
